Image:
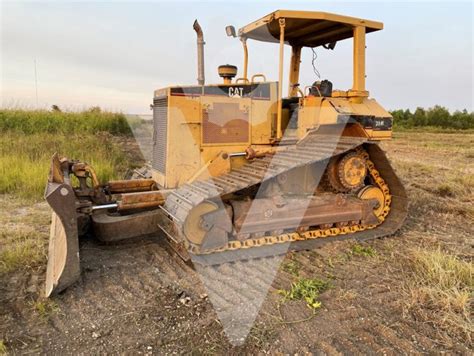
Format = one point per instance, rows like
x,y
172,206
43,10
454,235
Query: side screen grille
x,y
160,125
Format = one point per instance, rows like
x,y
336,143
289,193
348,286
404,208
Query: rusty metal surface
x,y
55,172
84,171
63,253
130,185
108,227
141,200
262,215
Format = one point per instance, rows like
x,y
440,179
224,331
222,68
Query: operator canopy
x,y
306,28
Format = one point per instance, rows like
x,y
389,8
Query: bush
x,y
437,116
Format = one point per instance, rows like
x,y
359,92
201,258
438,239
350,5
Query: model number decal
x,y
379,123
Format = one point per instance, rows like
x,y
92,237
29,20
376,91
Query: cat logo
x,y
236,92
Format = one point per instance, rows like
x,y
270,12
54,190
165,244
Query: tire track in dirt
x,y
237,291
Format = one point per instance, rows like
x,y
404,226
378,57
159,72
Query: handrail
x,y
244,79
258,75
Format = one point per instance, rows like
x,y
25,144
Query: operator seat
x,y
321,88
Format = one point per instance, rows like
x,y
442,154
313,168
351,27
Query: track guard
x,y
63,254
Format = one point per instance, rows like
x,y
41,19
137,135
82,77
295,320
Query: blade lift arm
x,y
91,195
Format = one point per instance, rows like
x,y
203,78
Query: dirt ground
x,y
137,297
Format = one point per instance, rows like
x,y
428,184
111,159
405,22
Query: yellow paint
x,y
370,192
354,171
294,71
282,24
217,166
246,58
188,157
359,60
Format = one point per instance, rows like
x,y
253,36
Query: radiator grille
x,y
160,126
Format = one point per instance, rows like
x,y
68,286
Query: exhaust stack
x,y
200,48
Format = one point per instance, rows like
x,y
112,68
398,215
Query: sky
x,y
115,54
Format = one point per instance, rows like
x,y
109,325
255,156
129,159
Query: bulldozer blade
x,y
63,254
111,228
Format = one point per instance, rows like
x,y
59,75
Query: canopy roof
x,y
306,28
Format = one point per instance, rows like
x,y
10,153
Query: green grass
x,y
292,267
27,142
306,289
3,348
25,159
360,250
21,249
430,129
46,307
43,121
30,138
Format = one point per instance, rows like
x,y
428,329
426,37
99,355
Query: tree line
x,y
437,116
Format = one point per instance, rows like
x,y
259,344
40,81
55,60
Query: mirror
x,y
230,30
330,45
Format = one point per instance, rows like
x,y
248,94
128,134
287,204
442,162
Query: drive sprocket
x,y
347,173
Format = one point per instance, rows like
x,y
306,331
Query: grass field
x,y
29,139
425,273
43,121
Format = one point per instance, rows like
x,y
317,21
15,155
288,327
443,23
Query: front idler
x,y
208,226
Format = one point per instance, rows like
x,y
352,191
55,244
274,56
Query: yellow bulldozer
x,y
240,171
